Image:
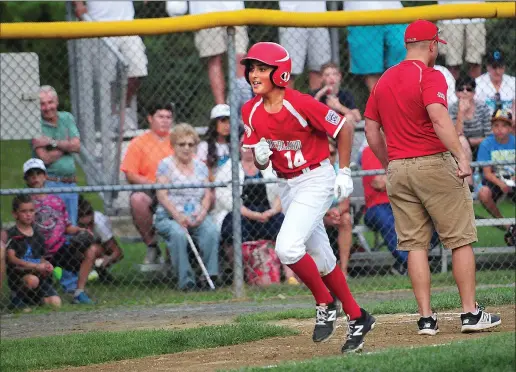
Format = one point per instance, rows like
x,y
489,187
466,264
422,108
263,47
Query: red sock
x,y
336,283
306,270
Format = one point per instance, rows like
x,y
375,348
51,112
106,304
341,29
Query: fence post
x,y
334,37
238,269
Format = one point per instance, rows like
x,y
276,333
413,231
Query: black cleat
x,y
357,329
325,322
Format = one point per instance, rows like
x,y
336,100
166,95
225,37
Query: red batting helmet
x,y
271,54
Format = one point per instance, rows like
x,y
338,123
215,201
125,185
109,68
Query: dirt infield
x,y
391,330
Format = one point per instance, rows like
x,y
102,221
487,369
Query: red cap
x,y
421,30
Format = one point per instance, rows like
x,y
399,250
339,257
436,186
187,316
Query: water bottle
x,y
189,209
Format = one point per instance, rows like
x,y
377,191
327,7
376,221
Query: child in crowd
x,y
107,246
29,275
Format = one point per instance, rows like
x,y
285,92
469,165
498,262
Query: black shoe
x,y
357,329
428,326
325,322
478,322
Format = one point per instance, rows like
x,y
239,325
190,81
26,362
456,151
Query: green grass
x,y
491,353
136,288
440,301
13,155
100,347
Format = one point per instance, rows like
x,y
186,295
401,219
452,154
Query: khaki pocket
x,y
431,166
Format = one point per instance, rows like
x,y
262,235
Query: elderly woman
x,y
186,210
471,116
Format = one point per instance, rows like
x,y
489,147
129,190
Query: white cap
x,y
34,164
220,111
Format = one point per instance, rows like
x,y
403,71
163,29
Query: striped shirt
x,y
479,125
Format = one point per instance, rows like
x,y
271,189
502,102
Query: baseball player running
x,y
290,129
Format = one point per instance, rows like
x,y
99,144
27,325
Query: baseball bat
x,y
199,260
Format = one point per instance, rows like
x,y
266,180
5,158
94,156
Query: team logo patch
x,y
332,117
441,95
247,130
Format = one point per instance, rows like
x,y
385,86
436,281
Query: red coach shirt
x,y
297,134
398,102
372,197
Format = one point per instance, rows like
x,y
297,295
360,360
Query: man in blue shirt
x,y
498,180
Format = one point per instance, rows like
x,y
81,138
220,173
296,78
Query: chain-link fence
x,y
126,243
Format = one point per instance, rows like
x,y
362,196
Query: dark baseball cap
x,y
422,30
495,58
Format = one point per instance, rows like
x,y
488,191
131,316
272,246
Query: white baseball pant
x,y
305,200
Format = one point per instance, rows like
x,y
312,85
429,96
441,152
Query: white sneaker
x,y
478,322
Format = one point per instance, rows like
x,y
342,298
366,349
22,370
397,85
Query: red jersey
x,y
297,134
398,102
372,197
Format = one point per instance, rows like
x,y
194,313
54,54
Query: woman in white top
x,y
183,211
214,150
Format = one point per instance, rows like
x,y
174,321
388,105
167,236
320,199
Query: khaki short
x,y
214,41
133,49
425,192
464,39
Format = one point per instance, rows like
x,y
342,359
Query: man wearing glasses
x,y
426,167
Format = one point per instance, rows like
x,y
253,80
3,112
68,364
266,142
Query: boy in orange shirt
x,y
140,165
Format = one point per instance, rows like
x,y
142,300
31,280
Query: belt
x,y
66,179
295,174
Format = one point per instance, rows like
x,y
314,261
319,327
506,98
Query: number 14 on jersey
x,y
299,159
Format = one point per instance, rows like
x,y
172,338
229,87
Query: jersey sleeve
x,y
434,88
320,116
371,111
250,136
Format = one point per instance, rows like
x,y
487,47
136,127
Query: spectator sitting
x,y
106,244
463,35
211,44
495,88
60,139
139,165
373,49
471,117
260,210
29,275
75,255
214,151
338,219
498,180
184,211
332,93
131,47
379,216
306,44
